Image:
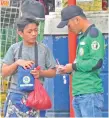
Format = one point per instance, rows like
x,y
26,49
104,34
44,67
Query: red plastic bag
x,y
38,99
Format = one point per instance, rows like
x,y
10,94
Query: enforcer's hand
x,y
61,69
64,69
69,67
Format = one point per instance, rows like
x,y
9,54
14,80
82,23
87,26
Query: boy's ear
x,y
20,33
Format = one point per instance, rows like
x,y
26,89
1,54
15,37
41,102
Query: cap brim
x,y
62,24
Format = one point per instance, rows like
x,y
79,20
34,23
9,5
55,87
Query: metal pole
x,y
72,54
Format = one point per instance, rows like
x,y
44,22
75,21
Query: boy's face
x,y
30,33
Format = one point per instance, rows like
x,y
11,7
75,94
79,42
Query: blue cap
x,y
68,13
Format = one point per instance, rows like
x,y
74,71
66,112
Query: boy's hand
x,y
35,73
25,64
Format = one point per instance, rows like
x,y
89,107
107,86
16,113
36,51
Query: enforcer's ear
x,y
77,20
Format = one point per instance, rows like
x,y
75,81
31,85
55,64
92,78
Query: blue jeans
x,y
88,105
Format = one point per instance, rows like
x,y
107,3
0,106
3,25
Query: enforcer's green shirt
x,y
89,59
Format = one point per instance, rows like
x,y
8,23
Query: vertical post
x,y
72,54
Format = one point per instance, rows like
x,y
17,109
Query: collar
x,y
86,32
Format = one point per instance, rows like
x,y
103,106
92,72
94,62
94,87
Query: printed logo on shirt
x,y
81,51
26,79
82,43
95,45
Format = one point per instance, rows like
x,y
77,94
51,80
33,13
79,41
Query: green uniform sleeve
x,y
96,54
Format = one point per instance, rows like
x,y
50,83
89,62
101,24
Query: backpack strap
x,y
35,50
20,51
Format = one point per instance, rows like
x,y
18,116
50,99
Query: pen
x,y
64,76
57,62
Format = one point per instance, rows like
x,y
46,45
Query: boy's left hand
x,y
35,73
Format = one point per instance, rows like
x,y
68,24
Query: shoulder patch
x,y
93,32
95,45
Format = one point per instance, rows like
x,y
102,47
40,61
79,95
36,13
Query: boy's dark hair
x,y
22,22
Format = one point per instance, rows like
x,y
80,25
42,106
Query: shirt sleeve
x,y
96,55
9,56
49,59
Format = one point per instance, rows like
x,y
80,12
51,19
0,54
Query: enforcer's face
x,y
73,25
